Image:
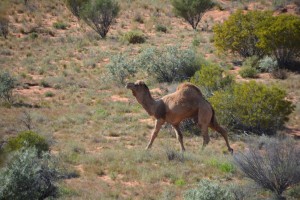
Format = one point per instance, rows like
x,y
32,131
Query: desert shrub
x,y
28,139
210,78
134,37
275,166
279,74
60,25
281,37
192,10
169,64
100,14
28,176
248,72
161,28
121,68
252,107
75,6
267,64
208,190
7,84
239,35
4,26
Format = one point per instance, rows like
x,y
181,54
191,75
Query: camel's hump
x,y
185,86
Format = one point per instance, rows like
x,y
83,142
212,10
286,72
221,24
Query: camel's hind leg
x,y
215,126
179,136
158,125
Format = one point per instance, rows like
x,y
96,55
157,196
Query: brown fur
x,y
186,102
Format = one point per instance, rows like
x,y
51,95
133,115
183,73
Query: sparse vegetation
x,y
76,6
248,72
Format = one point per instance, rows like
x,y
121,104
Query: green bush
x,y
169,64
100,14
28,176
239,34
192,10
121,68
134,37
208,190
28,139
60,25
252,107
161,28
210,78
281,38
248,72
7,84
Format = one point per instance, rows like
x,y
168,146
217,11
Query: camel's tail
x,y
213,120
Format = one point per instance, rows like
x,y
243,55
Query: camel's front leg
x,y
158,125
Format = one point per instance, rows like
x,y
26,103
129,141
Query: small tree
x,y
7,84
281,37
75,6
275,167
192,10
239,33
99,15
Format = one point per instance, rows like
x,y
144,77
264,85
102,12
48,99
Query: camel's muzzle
x,y
129,85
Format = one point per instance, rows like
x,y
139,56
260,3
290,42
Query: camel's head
x,y
139,87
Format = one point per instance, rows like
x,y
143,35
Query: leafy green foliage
x,y
100,14
121,68
275,166
253,107
75,6
238,34
192,10
248,72
281,37
28,176
28,139
134,37
7,84
208,190
210,78
169,64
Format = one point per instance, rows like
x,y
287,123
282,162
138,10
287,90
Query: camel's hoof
x,y
231,151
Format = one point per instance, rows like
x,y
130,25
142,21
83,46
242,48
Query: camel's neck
x,y
148,103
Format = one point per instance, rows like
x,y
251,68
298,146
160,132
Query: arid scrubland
x,y
68,87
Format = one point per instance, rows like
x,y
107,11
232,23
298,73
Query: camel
x,y
186,102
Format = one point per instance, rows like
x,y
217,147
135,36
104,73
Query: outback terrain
x,y
95,128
